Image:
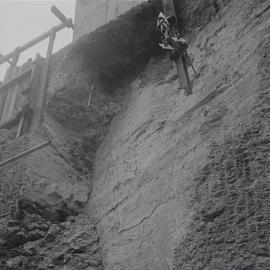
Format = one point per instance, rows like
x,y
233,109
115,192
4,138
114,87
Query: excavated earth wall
x,y
145,177
43,224
182,182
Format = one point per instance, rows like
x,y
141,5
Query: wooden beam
x,y
27,152
61,16
9,75
90,95
46,76
10,123
6,85
3,94
183,75
19,129
36,40
35,96
38,99
9,98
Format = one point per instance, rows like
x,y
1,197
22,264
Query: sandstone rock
x,y
53,233
13,223
35,235
13,230
212,209
3,230
68,267
15,263
3,249
40,226
17,239
71,219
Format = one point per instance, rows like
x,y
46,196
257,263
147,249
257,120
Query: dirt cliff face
x,y
183,181
43,224
145,177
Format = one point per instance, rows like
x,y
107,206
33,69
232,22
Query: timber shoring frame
x,y
35,41
13,79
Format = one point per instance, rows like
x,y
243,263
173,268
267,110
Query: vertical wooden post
x,y
6,97
183,75
8,75
90,94
40,98
19,129
12,97
35,95
45,81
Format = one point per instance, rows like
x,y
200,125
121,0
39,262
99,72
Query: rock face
x,y
42,225
145,177
183,181
36,239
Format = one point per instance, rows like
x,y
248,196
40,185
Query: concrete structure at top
x,y
90,14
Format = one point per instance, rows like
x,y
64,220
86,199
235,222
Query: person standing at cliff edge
x,y
171,40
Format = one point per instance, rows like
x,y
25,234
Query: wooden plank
x,y
20,99
183,75
9,103
14,121
10,123
90,94
43,85
14,94
8,84
27,152
9,75
36,92
15,99
19,129
36,40
34,80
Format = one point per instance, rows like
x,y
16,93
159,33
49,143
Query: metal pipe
x,y
27,152
36,40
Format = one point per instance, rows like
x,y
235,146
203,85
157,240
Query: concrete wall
x,y
90,14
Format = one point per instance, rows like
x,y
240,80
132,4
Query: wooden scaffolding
x,y
24,89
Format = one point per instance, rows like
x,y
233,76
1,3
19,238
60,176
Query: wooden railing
x,y
24,89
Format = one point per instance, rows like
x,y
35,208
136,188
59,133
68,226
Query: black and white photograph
x,y
134,134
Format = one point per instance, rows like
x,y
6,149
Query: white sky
x,y
22,20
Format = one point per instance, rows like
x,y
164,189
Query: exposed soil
x,y
144,177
